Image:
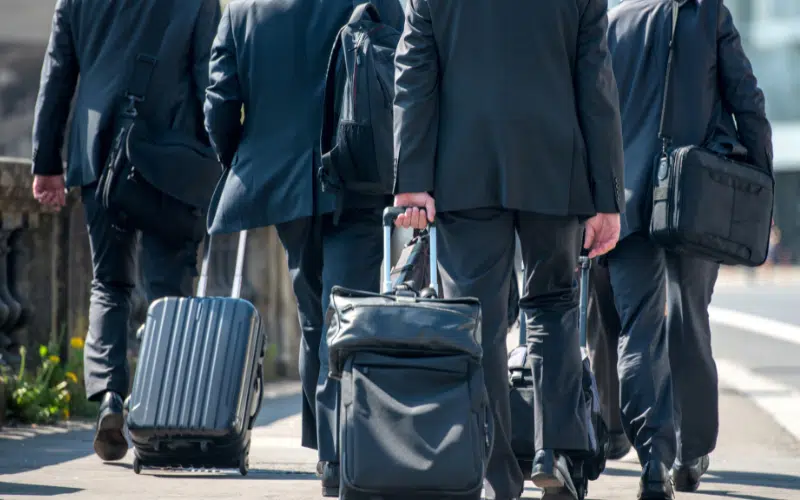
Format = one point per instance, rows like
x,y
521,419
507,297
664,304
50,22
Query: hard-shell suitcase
x,y
414,417
199,382
520,377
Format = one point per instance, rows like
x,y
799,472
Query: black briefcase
x,y
708,205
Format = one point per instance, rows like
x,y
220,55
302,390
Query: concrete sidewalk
x,y
755,460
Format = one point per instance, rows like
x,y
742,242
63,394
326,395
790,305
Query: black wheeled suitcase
x,y
414,417
520,377
199,383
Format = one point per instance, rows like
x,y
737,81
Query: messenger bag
x,y
706,204
156,181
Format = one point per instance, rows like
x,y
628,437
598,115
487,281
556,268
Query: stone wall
x,y
46,272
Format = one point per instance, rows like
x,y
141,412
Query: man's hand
x,y
602,234
423,205
49,190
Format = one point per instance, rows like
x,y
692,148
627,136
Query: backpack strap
x,y
329,102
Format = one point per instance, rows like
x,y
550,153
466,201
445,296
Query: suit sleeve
x,y
204,32
59,78
416,102
223,99
598,109
741,94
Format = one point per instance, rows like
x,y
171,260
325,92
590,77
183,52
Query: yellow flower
x,y
72,377
55,359
66,413
67,397
76,342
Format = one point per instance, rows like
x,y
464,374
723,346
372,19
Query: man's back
x,y
271,58
711,80
98,40
525,89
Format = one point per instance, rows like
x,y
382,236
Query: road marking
x,y
779,401
755,324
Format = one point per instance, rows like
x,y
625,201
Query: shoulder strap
x,y
665,138
149,49
329,100
365,9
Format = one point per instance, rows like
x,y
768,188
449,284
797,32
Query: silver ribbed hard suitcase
x,y
198,384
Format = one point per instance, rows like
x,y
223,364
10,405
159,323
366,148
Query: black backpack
x,y
357,143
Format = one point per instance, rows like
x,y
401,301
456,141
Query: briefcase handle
x,y
390,214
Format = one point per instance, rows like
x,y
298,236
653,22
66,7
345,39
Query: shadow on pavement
x,y
20,455
259,474
35,490
43,450
729,494
763,479
728,477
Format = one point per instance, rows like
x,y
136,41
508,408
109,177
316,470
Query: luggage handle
x,y
585,264
390,214
236,288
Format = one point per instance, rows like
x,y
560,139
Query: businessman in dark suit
x,y
99,41
270,59
712,82
508,119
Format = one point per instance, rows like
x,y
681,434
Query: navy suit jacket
x,y
98,40
270,59
712,79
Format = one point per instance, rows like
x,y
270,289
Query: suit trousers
x,y
603,328
690,285
321,255
476,256
166,270
668,378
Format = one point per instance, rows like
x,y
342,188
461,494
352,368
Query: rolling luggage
x,y
199,383
520,376
414,418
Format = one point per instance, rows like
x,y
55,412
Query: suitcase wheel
x,y
137,466
244,463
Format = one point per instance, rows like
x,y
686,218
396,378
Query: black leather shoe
x,y
552,473
687,476
109,441
655,483
618,446
329,473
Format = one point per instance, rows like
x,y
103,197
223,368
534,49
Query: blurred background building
x,y
770,31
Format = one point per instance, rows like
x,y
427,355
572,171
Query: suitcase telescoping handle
x,y
236,289
390,214
585,264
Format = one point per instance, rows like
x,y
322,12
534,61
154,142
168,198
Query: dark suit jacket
x,y
98,40
711,79
271,58
508,104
